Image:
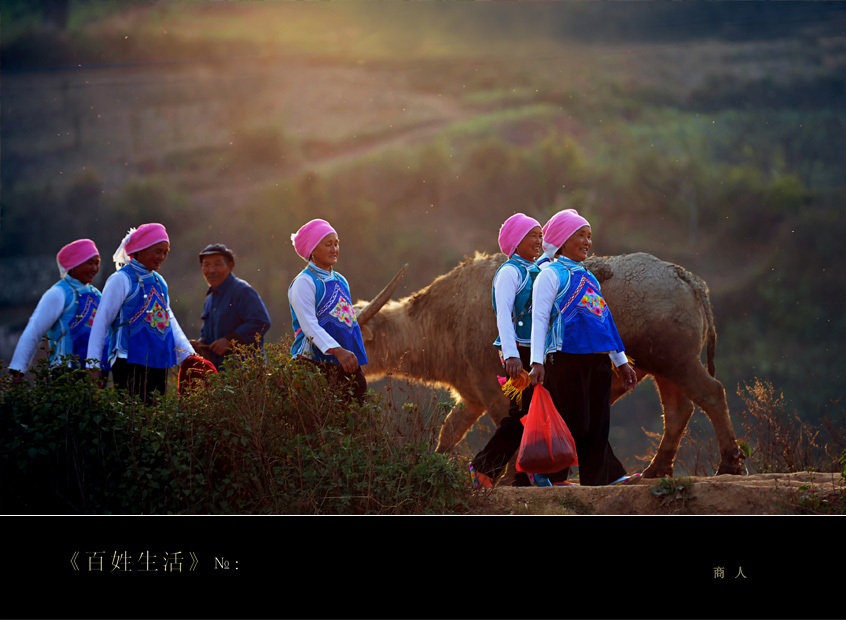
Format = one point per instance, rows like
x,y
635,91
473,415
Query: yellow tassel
x,y
513,388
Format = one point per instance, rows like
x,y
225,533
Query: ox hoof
x,y
730,469
732,465
655,471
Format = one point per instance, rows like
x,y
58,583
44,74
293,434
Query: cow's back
x,y
657,307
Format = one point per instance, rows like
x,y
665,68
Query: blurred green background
x,y
708,134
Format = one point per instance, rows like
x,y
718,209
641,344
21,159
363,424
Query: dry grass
x,y
772,435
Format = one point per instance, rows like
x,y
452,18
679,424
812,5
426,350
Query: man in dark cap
x,y
233,312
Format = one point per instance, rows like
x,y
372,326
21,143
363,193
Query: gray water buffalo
x,y
442,335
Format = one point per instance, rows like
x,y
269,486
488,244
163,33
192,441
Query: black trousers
x,y
505,441
140,380
580,387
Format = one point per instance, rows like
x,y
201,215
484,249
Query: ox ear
x,y
366,334
381,299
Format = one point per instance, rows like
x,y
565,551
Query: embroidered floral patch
x,y
344,312
158,318
593,302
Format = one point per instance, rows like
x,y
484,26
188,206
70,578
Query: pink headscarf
x,y
559,228
513,230
309,235
138,239
74,254
145,236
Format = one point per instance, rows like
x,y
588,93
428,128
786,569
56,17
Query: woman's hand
x,y
513,367
347,359
627,374
537,374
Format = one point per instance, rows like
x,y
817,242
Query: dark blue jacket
x,y
234,311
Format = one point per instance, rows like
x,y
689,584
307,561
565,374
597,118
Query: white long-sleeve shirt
x,y
49,310
543,297
302,296
505,286
115,292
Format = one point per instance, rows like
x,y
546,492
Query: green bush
x,y
68,447
276,438
268,435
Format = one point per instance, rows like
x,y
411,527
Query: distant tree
x,y
50,13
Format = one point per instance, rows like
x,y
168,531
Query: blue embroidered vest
x,y
521,315
142,327
335,314
581,321
69,335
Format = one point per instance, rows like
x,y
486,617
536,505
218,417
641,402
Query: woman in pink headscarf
x,y
574,344
520,238
145,338
65,312
326,330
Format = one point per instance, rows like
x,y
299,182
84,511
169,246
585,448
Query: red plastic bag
x,y
547,446
193,370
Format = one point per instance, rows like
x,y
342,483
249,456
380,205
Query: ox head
x,y
363,315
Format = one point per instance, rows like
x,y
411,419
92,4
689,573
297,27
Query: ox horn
x,y
382,298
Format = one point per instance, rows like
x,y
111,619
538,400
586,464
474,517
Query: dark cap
x,y
217,248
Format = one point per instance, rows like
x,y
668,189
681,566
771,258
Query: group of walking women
x,y
552,323
130,330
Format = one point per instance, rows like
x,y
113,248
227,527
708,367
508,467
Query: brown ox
x,y
443,334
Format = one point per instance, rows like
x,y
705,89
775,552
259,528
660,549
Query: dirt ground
x,y
759,494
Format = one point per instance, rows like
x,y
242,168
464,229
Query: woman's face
x,y
325,255
578,245
87,271
532,244
153,257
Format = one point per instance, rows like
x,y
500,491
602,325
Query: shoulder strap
x,y
320,288
70,299
343,281
566,304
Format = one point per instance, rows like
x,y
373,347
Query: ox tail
x,y
712,348
700,289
